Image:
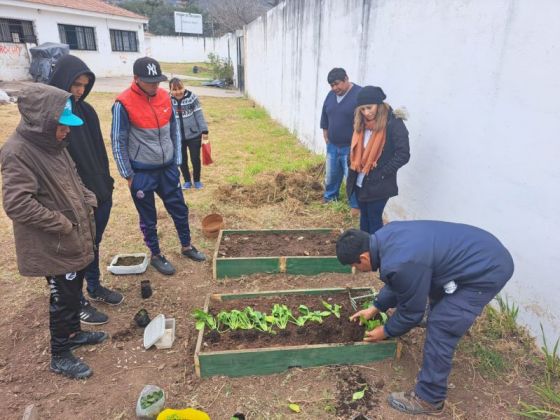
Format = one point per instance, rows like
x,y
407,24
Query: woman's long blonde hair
x,y
380,118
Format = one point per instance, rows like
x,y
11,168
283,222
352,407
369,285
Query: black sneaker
x,y
68,365
87,337
194,254
91,316
102,294
160,263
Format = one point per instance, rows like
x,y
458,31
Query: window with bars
x,y
17,31
124,41
78,37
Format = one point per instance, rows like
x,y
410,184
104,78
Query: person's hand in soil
x,y
367,314
377,334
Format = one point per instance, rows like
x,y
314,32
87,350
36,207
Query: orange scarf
x,y
365,160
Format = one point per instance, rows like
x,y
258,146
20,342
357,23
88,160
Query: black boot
x,y
68,365
87,337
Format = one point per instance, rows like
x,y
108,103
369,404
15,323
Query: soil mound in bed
x,y
268,244
332,330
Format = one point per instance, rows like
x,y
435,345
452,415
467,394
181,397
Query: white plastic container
x,y
160,332
128,269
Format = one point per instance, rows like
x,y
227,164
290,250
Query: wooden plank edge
x,y
384,343
200,339
214,264
331,290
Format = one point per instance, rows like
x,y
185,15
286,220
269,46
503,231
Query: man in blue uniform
x,y
459,268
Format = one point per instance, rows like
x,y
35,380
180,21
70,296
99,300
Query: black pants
x,y
194,146
64,309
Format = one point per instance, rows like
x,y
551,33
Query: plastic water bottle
x,y
450,287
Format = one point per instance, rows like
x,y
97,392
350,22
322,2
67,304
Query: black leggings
x,y
194,146
64,310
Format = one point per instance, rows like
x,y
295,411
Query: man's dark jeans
x,y
92,272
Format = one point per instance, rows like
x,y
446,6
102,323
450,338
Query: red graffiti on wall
x,y
10,49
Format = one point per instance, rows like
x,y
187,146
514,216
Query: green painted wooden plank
x,y
314,265
231,296
276,360
229,267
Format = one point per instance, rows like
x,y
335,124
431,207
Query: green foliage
x,y
549,405
334,309
151,398
491,363
221,68
249,318
160,14
358,395
502,322
551,358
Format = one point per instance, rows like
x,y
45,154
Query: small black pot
x,y
142,318
145,289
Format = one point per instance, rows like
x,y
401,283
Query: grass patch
x,y
186,69
491,363
502,321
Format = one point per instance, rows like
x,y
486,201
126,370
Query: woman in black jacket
x,y
379,148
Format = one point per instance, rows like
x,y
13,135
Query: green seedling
x,y
202,318
151,398
370,324
358,395
294,407
281,315
334,309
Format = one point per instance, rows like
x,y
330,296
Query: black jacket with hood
x,y
86,142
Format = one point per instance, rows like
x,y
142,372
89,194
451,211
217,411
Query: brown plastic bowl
x,y
212,224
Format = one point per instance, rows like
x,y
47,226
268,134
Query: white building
x,y
108,38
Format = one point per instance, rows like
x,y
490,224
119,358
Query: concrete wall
x,y
189,49
480,81
192,49
102,62
14,61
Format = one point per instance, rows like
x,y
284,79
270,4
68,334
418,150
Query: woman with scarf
x,y
379,148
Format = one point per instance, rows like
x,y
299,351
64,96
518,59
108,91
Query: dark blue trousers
x,y
371,215
449,319
92,273
163,182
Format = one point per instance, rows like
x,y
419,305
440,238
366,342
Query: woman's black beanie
x,y
370,95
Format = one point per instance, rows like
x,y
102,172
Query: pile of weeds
x,y
304,186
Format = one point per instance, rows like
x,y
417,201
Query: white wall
x,y
14,61
480,81
102,62
191,49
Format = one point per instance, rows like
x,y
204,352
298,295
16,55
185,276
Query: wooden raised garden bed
x,y
291,251
252,352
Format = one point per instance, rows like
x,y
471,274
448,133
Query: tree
x,y
161,14
230,15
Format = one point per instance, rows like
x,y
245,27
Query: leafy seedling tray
x,y
133,264
236,266
270,360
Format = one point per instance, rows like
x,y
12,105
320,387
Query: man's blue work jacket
x,y
417,258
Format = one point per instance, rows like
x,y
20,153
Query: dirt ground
x,y
272,244
122,367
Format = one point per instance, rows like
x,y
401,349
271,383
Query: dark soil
x,y
129,261
268,244
351,380
332,330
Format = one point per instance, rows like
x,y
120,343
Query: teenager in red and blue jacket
x,y
147,150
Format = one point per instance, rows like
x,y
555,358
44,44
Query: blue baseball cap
x,y
68,118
